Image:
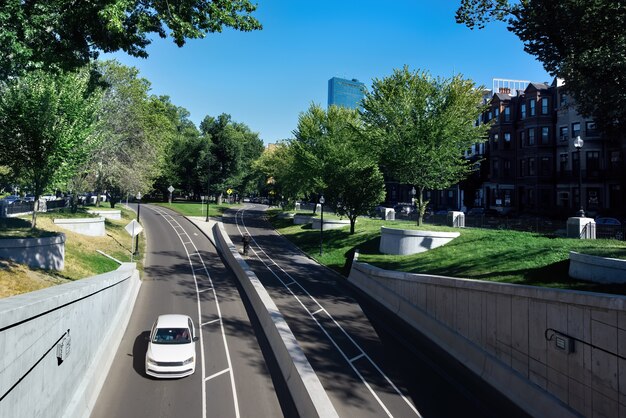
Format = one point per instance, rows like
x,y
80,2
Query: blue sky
x,y
266,78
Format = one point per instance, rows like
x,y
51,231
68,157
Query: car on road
x,y
171,347
476,211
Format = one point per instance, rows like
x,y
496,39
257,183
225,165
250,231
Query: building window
x,y
523,110
522,139
532,103
563,133
590,128
523,168
544,105
506,169
575,129
575,163
532,166
544,166
507,140
494,141
495,166
496,112
563,159
593,163
531,136
616,161
545,135
507,114
563,99
489,116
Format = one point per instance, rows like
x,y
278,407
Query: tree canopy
x,y
46,126
420,127
582,42
57,34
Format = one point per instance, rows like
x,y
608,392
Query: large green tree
x,y
135,132
332,157
46,126
60,34
420,127
581,41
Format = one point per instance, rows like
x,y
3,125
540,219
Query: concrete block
x,y
409,241
93,227
456,219
597,269
46,253
604,377
581,228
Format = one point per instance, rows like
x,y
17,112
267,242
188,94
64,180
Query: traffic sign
x,y
229,191
134,228
170,189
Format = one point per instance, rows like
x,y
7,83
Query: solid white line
x,y
211,322
380,402
318,311
204,290
216,374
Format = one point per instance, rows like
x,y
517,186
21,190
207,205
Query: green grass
x,y
197,208
482,254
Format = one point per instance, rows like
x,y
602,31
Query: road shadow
x,y
139,354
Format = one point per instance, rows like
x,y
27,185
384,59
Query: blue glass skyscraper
x,y
346,93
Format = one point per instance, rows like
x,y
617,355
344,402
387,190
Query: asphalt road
x,y
233,378
370,364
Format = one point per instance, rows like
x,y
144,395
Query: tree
x,y
46,122
234,147
420,127
136,131
275,166
582,42
330,152
57,34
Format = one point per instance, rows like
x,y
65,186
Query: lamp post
x,y
138,209
322,200
413,191
578,144
208,195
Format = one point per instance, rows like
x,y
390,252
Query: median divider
x,y
304,386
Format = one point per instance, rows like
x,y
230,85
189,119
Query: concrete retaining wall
x,y
46,253
107,213
93,227
329,223
306,390
596,269
410,241
517,338
302,219
88,317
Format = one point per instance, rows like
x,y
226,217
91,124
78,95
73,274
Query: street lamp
x,y
138,209
208,194
413,191
578,144
322,200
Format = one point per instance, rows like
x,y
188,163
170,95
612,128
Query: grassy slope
x,y
81,258
483,254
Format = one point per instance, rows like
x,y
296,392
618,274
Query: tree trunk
x,y
352,222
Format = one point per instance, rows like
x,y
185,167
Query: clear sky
x,y
266,78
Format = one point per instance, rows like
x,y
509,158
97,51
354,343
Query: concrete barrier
x,y
302,219
596,269
329,223
555,353
57,344
93,227
410,241
306,390
115,214
46,252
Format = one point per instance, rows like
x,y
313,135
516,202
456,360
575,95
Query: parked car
x,y
172,347
608,221
11,199
29,198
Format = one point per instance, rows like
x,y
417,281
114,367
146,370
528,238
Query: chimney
x,y
505,90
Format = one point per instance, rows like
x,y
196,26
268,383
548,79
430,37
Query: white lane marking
x,y
204,290
219,315
353,359
318,311
289,284
362,352
210,322
216,374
